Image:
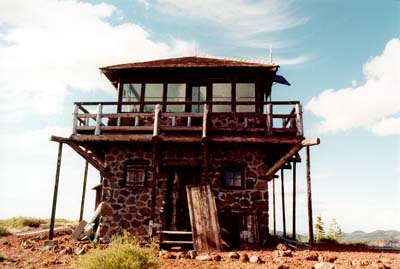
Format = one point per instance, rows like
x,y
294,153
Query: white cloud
x,y
291,61
374,106
48,47
243,20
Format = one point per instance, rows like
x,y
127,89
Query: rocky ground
x,y
30,252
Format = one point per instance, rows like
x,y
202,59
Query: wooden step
x,y
174,232
170,242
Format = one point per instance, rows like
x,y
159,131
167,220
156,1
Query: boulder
x,y
324,265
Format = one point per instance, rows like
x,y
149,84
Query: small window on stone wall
x,y
135,176
232,177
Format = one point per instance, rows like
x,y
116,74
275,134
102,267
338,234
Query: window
x,y
131,93
222,92
176,93
232,177
153,92
199,94
245,92
135,176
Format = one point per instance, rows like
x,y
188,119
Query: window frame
x,y
233,168
132,168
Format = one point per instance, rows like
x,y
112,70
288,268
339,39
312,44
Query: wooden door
x,y
203,218
177,212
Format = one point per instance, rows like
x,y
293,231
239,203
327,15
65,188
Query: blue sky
x,y
341,57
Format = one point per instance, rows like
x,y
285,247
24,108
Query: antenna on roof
x,y
270,54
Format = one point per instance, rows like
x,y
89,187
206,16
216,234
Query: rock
x,y
180,255
330,258
282,247
80,251
324,265
216,257
255,259
162,252
312,257
244,258
282,266
233,255
283,253
168,255
379,265
204,258
192,254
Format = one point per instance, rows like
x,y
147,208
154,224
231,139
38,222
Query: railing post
x,y
189,121
299,119
205,120
75,118
156,130
98,119
269,119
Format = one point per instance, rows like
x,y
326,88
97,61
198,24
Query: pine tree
x,y
319,229
332,234
338,234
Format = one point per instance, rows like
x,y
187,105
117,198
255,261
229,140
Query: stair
x,y
176,238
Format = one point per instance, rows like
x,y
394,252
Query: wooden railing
x,y
97,118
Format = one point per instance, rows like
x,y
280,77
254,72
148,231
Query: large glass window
x,y
199,94
245,92
176,93
153,92
222,92
131,93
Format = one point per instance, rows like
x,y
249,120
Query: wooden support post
x,y
189,122
83,191
269,119
299,120
97,131
283,204
205,121
55,192
309,201
294,202
155,173
136,121
75,118
156,130
273,203
205,161
173,121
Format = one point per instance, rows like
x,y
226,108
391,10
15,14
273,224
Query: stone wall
x,y
130,208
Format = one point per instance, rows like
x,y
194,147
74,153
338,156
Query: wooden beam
x,y
155,159
55,192
310,142
265,139
283,203
309,201
90,157
112,138
59,139
284,159
205,161
83,190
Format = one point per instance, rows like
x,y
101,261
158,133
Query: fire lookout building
x,y
189,146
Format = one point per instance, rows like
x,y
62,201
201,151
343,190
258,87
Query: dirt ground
x,y
30,252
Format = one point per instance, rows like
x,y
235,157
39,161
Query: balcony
x,y
94,121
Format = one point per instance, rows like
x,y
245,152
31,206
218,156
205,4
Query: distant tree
x,y
319,229
335,232
332,230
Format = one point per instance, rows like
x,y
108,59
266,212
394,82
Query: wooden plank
x,y
177,242
283,203
112,138
126,128
271,171
311,142
203,219
174,232
55,192
255,139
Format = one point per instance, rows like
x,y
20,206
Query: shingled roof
x,y
192,61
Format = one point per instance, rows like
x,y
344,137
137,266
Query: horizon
x,y
343,67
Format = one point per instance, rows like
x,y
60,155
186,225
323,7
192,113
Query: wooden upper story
x,y
189,99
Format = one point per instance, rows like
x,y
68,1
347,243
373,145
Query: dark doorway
x,y
177,211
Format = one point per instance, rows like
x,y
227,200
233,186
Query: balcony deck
x,y
96,121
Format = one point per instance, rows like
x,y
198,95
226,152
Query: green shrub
x,y
123,253
4,231
2,258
